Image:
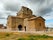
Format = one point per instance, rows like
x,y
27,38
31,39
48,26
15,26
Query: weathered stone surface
x,y
26,21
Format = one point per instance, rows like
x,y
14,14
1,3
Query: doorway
x,y
20,27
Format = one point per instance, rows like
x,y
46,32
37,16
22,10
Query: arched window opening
x,y
20,27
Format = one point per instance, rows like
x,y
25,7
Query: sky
x,y
42,8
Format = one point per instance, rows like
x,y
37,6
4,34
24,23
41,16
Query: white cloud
x,y
48,16
42,8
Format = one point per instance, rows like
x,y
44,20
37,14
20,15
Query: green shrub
x,y
30,38
39,36
46,36
21,39
7,34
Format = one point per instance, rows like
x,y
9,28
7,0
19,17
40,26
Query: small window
x,y
27,9
39,24
25,28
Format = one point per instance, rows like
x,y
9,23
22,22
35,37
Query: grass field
x,y
23,36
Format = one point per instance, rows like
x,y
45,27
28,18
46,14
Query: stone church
x,y
25,21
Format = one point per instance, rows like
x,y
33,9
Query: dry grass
x,y
23,36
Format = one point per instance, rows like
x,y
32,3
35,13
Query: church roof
x,y
36,18
14,17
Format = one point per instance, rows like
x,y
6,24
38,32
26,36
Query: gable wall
x,y
40,24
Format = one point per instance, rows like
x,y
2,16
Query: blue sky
x,y
42,8
49,23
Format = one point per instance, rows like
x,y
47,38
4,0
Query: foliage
x,y
7,34
20,39
20,36
40,36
